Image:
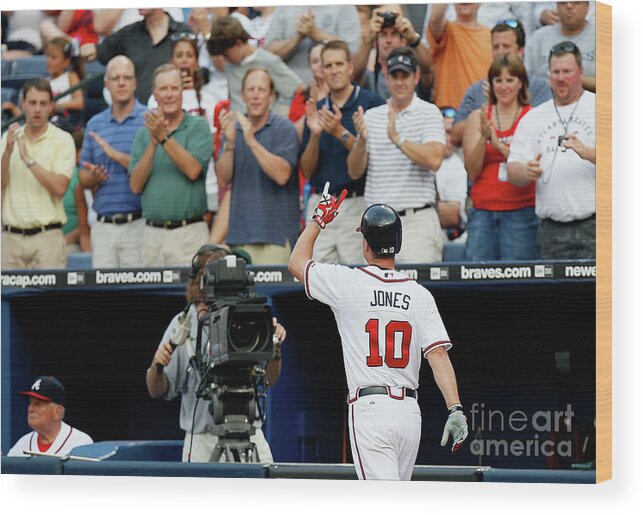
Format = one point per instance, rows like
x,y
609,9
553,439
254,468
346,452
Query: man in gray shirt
x,y
573,27
295,29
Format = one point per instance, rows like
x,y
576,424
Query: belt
x,y
174,224
120,218
580,221
33,230
384,390
412,210
351,191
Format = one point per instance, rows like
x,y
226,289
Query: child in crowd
x,y
60,57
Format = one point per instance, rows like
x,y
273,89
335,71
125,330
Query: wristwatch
x,y
345,135
30,162
417,41
165,139
400,142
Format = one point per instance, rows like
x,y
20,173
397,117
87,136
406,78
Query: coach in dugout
x,y
45,415
171,373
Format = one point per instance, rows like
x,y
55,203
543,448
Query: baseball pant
x,y
339,242
422,238
117,245
173,247
385,436
204,443
43,250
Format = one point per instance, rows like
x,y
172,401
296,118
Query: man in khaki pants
x,y
37,163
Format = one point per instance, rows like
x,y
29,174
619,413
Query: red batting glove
x,y
326,210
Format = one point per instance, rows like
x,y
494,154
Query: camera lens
x,y
246,334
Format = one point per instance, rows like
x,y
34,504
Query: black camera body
x,y
240,322
388,19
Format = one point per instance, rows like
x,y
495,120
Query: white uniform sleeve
x,y
433,332
20,446
323,282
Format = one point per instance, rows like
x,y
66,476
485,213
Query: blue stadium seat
x,y
35,66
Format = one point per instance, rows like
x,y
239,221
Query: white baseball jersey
x,y
68,438
387,322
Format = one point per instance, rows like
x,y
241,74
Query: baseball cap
x,y
46,388
404,62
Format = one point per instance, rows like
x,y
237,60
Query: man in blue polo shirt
x,y
105,155
328,138
258,158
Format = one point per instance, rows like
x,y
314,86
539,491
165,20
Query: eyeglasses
x,y
564,47
179,36
448,112
118,78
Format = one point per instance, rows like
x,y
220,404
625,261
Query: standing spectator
x,y
573,27
60,56
168,163
49,435
147,43
228,38
23,36
328,137
118,231
294,29
507,37
555,147
71,24
451,183
261,23
400,143
460,51
37,163
259,157
502,222
390,29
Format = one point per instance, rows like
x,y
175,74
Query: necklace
x,y
565,124
506,138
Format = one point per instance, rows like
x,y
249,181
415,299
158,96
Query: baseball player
x,y
387,323
45,415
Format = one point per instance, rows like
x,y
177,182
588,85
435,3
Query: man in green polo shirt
x,y
38,160
168,162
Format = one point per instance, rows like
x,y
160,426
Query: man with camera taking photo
x,y
171,372
390,29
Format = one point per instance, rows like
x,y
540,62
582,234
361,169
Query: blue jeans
x,y
502,235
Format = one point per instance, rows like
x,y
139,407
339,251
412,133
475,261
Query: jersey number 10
x,y
374,359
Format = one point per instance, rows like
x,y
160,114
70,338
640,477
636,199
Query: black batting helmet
x,y
382,228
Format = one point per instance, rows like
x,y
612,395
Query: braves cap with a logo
x,y
46,388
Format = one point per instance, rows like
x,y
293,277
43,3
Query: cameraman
x,y
390,29
178,376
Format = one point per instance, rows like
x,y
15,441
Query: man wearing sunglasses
x,y
400,143
574,27
148,43
507,37
555,146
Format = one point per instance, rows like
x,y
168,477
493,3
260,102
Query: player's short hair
x,y
516,68
514,26
337,44
566,47
224,34
39,84
257,69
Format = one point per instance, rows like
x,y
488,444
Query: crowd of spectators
x,y
475,121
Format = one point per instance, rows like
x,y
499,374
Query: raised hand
x,y
328,206
12,136
246,127
110,151
156,124
485,124
98,172
331,121
227,119
312,117
391,129
360,124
